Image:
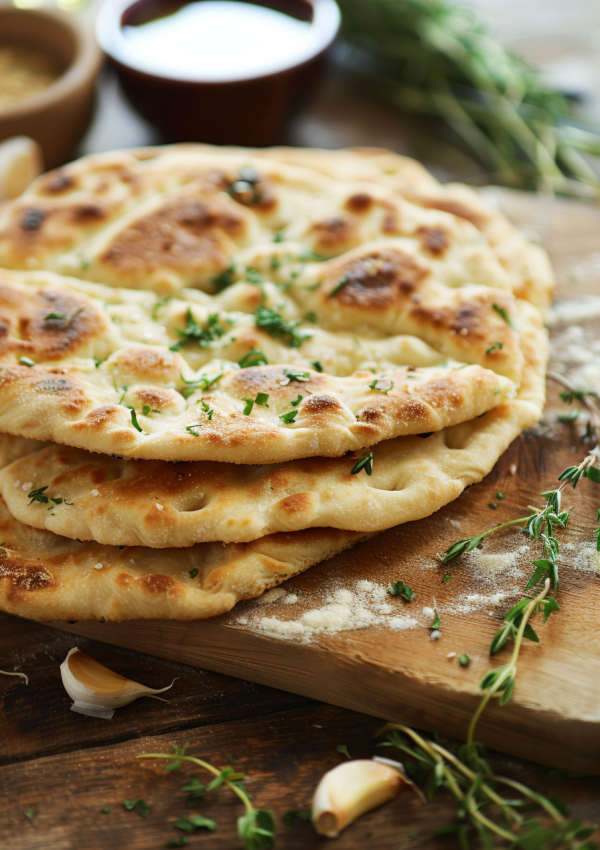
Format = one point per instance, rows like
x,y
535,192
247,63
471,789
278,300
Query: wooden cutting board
x,y
554,715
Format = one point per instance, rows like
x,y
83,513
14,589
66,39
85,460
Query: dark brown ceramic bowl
x,y
245,111
58,116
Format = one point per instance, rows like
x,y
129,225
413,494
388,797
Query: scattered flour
x,y
271,596
476,601
343,609
586,557
489,565
571,312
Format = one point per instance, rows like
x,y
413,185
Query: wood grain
x,y
284,756
554,714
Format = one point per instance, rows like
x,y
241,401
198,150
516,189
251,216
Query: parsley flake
x,y
225,278
365,463
497,346
58,316
194,333
339,285
373,386
437,623
504,315
297,401
135,422
291,375
288,418
140,806
190,428
316,364
399,588
255,357
464,660
275,325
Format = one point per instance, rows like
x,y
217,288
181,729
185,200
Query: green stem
x,y
511,667
204,764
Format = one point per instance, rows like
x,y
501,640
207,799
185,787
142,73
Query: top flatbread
x,y
71,371
166,218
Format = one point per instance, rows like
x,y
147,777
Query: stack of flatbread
x,y
219,367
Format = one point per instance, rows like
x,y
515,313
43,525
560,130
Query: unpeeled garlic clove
x,y
96,690
351,789
20,163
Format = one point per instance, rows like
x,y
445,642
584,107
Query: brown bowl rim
x,y
83,69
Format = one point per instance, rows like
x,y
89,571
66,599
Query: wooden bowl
x,y
58,116
245,111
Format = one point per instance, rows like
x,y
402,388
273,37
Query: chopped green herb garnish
x,y
504,315
317,365
292,375
31,813
365,463
290,818
496,346
500,496
446,577
254,277
140,806
194,572
191,428
261,399
343,749
288,418
201,383
97,362
37,496
339,285
278,236
464,660
58,316
255,357
275,325
194,333
160,302
249,405
146,409
437,623
399,588
225,278
193,823
297,401
134,421
373,386
26,361
569,416
105,810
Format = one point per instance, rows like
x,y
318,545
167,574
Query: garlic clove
x,y
351,789
20,163
96,690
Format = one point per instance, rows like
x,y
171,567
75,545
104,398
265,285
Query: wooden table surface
x,y
64,768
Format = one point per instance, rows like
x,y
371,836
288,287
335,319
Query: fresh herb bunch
x,y
477,791
438,58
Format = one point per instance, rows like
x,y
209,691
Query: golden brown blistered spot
x,y
321,404
98,418
85,213
269,379
155,397
148,362
376,281
23,575
468,320
158,584
32,219
434,240
278,479
54,339
71,397
454,207
360,202
57,182
189,233
336,234
296,503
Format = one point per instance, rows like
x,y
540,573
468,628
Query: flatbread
x,y
174,217
158,505
68,374
46,577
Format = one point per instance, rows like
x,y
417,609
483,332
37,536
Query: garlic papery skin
x,y
351,789
96,690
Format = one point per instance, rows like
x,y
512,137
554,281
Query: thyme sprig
x,y
256,826
480,803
